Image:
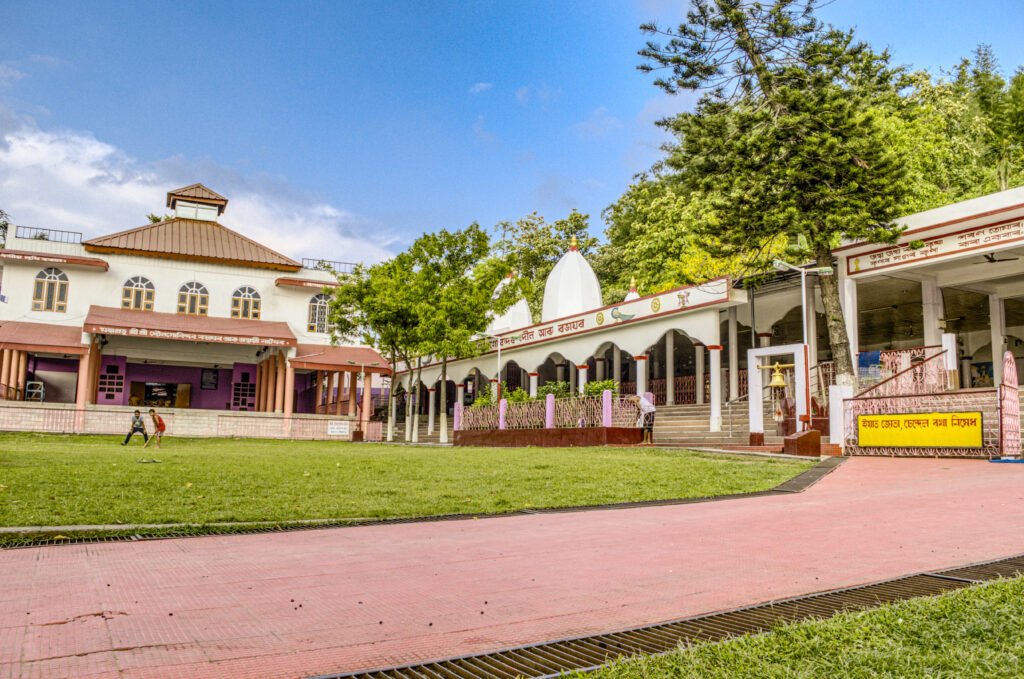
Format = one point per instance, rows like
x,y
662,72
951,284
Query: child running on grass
x,y
158,429
138,426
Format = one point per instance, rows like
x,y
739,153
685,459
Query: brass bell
x,y
778,379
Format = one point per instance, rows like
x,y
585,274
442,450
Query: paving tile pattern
x,y
318,601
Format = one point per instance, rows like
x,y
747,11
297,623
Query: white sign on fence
x,y
337,428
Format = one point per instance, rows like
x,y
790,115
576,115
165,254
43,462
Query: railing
x,y
53,235
928,376
327,265
551,413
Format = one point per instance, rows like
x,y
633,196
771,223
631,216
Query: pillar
x,y
269,367
670,367
337,391
599,369
288,405
534,377
364,418
811,319
82,388
259,386
352,393
965,372
5,373
932,312
317,391
431,398
616,364
848,301
641,374
734,353
460,393
698,362
94,369
560,372
21,375
716,387
572,378
391,412
279,385
764,339
997,323
581,374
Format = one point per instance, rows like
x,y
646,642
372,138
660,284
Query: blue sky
x,y
355,126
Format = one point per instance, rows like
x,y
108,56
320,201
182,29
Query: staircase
x,y
687,425
422,435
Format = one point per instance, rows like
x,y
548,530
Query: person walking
x,y
646,417
159,427
138,426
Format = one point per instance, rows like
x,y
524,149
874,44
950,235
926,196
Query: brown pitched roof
x,y
198,193
192,239
323,357
41,337
159,325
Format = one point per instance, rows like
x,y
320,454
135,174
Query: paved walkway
x,y
319,601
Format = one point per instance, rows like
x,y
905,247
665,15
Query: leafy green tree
x,y
532,247
5,224
786,141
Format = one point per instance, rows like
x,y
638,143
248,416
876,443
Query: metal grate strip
x,y
554,658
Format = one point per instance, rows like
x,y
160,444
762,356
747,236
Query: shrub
x,y
597,388
559,389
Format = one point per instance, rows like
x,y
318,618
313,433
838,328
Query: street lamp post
x,y
821,271
497,340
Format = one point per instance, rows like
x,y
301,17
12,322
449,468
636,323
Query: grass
x,y
973,632
67,480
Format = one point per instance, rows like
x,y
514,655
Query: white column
x,y
572,378
811,318
599,369
460,393
533,384
932,312
716,387
581,373
764,339
734,355
431,397
997,322
670,367
848,300
641,374
617,364
698,362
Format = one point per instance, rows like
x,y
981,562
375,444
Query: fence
x,y
66,419
606,410
53,235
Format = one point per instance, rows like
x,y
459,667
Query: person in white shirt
x,y
645,419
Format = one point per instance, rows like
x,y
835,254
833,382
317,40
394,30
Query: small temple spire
x,y
573,244
632,294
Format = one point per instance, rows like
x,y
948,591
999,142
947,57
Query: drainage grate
x,y
551,659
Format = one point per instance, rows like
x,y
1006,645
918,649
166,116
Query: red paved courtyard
x,y
319,601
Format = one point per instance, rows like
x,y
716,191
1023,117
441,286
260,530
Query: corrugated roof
x,y
192,239
187,328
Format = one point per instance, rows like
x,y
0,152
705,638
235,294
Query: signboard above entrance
x,y
980,238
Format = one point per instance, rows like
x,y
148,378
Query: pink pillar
x,y
606,408
502,409
549,411
458,416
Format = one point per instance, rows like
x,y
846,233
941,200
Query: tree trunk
x,y
408,404
391,400
444,401
837,335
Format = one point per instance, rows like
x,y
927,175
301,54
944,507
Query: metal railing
x,y
52,235
327,265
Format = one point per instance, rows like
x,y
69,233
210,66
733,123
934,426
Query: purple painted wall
x,y
56,365
212,399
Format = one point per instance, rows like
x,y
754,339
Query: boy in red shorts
x,y
159,427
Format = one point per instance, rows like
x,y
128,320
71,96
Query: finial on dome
x,y
632,283
632,294
573,245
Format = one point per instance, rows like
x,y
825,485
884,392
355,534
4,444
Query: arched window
x,y
138,293
318,313
51,291
245,303
193,299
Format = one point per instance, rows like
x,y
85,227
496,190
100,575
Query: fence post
x,y
549,411
502,409
606,408
457,425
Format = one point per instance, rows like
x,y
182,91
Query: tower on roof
x,y
196,202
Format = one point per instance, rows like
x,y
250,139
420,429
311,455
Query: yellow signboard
x,y
920,430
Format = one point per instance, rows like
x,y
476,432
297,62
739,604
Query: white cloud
x,y
482,134
477,88
9,74
599,124
72,181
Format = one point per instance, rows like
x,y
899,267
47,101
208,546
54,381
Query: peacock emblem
x,y
619,316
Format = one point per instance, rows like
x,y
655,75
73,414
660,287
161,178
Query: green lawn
x,y
65,480
973,632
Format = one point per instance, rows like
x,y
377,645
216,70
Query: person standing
x,y
159,427
138,426
646,418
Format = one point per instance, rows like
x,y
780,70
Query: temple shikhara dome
x,y
571,288
515,317
632,294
